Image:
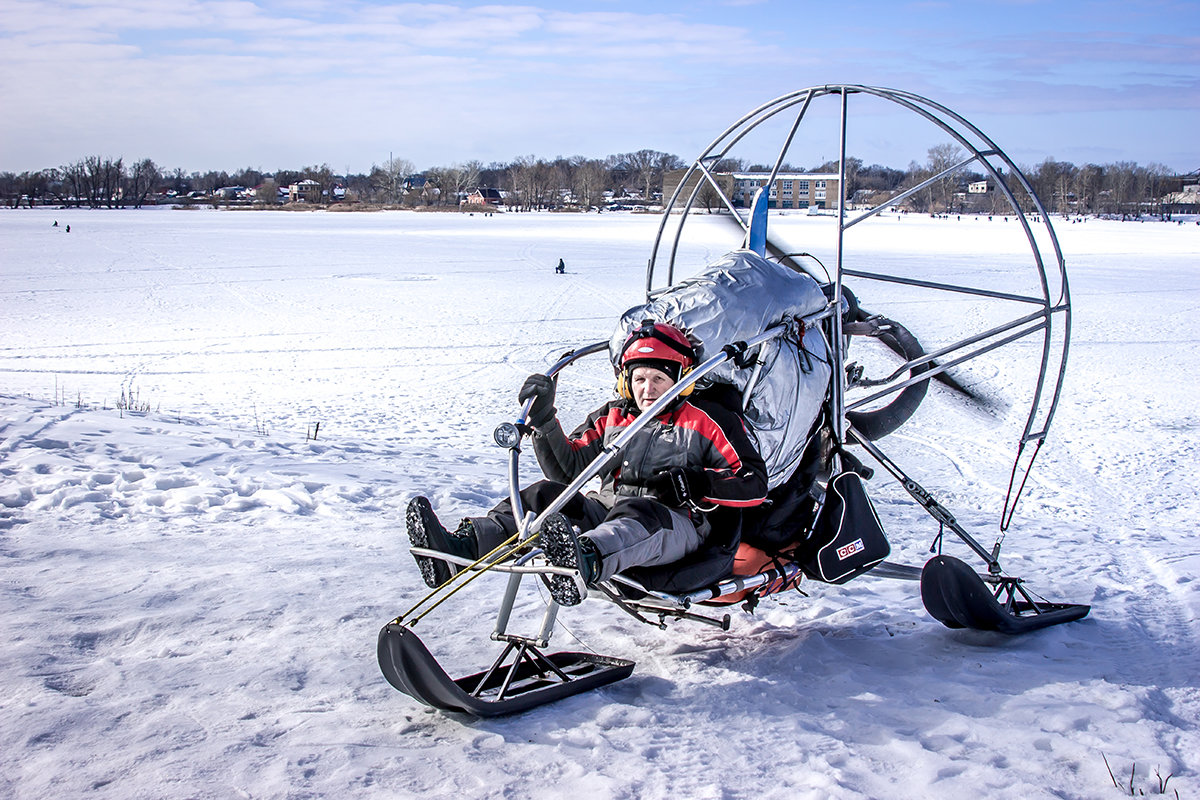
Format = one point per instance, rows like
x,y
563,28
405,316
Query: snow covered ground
x,y
191,589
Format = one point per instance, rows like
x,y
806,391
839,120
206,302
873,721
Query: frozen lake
x,y
190,596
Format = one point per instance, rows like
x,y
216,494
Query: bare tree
x,y
560,177
942,157
1054,183
388,180
666,162
589,182
646,168
437,181
325,177
1155,181
853,167
28,187
95,181
72,178
458,178
530,178
267,192
921,201
143,177
1121,182
1087,185
711,197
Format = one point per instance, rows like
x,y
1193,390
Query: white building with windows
x,y
789,190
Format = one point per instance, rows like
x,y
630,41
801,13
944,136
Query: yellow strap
x,y
477,568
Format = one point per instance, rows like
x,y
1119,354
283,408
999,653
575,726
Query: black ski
x,y
521,679
955,595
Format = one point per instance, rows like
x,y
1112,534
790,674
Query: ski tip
x,y
957,596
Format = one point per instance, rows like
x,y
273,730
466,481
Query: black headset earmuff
x,y
623,390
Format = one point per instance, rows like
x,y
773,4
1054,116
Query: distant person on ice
x,y
653,504
561,268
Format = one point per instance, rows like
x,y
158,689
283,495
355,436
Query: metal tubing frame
x,y
837,343
496,561
514,479
1055,300
943,367
1052,319
728,586
947,287
718,149
931,505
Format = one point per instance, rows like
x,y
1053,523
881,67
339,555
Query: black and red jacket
x,y
695,434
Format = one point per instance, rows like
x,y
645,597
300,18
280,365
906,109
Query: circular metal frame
x,y
1045,313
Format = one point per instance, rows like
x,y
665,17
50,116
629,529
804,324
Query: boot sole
x,y
434,571
561,547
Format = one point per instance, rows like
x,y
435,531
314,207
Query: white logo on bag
x,y
848,550
645,349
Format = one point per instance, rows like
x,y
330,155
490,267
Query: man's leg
x,y
477,536
637,532
500,524
640,532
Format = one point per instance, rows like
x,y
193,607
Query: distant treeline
x,y
584,183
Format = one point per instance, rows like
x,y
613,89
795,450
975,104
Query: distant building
x,y
483,197
979,187
706,197
230,192
1185,202
789,190
270,193
306,191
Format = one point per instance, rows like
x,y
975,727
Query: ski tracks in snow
x,y
59,459
1139,554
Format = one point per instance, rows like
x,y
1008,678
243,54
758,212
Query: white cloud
x,y
429,77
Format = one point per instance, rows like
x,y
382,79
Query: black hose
x,y
880,422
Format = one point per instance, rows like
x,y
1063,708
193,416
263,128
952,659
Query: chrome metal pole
x,y
837,382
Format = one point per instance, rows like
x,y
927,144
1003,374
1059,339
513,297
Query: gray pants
x,y
626,542
633,532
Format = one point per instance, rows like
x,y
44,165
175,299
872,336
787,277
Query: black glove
x,y
541,389
679,486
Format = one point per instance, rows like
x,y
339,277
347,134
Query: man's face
x,y
648,384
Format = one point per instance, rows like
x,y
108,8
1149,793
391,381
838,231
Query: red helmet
x,y
658,345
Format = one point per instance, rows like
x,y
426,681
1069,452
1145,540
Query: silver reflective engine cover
x,y
732,300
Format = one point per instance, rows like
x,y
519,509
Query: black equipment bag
x,y
847,539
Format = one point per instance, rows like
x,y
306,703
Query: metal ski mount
x,y
521,678
959,597
524,677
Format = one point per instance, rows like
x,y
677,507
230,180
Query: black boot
x,y
426,532
563,548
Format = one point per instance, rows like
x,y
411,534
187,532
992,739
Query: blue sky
x,y
225,84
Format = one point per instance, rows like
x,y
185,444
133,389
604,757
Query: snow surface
x,y
192,588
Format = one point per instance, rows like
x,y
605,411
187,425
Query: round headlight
x,y
507,435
